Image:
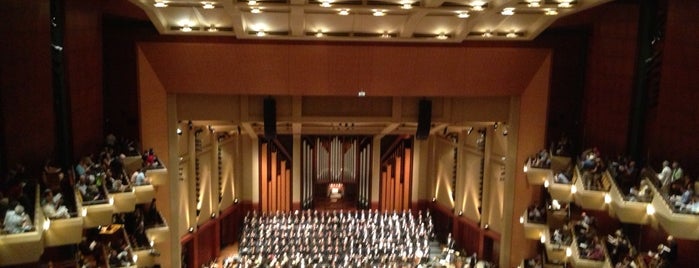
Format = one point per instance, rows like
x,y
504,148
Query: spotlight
x,y
434,199
486,226
191,229
650,209
546,184
235,201
573,189
213,215
179,131
461,212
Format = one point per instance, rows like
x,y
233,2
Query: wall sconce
x,y
179,131
461,212
546,184
47,224
111,201
569,252
573,189
83,212
434,199
486,226
152,242
525,168
191,229
542,238
607,199
235,201
521,219
650,209
213,215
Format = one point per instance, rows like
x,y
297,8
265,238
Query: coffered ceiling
x,y
361,20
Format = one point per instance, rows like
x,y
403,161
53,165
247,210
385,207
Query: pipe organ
x,y
275,178
344,160
396,177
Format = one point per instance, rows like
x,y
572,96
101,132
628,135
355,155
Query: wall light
x,y
442,36
191,229
235,201
47,224
542,238
462,14
179,131
135,258
434,199
378,12
83,212
407,5
261,33
208,5
533,3
252,2
573,189
650,209
461,212
152,242
569,252
521,219
325,3
111,200
550,12
486,226
186,29
255,10
607,199
213,215
546,184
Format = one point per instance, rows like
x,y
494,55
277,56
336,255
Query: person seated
x,y
596,253
16,221
83,166
117,186
561,178
52,206
139,177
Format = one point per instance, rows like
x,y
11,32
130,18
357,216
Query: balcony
x,y
28,246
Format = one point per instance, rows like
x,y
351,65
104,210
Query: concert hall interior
x,y
527,133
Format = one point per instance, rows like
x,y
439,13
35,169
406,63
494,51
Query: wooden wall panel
x,y
264,175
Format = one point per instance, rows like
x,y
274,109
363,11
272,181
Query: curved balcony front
x,y
591,199
95,213
538,176
679,225
627,211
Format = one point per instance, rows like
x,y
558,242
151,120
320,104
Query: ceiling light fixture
x,y
511,35
212,28
534,3
261,33
378,13
319,33
407,5
550,12
255,10
325,3
208,5
462,14
343,12
478,5
186,29
160,4
487,34
385,35
361,93
252,2
508,11
442,36
565,5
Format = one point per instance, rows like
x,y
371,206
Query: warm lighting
x,y
362,93
486,226
434,199
542,238
160,4
407,6
565,5
208,5
343,12
252,2
319,33
508,11
255,10
569,252
573,189
111,200
261,33
235,201
650,209
152,242
477,5
135,258
212,28
550,12
325,3
546,184
83,212
521,219
191,229
213,215
442,36
461,212
385,35
378,13
186,29
525,168
47,224
534,4
487,34
511,35
179,131
462,14
607,199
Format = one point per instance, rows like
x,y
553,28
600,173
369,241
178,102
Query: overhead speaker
x,y
270,115
424,119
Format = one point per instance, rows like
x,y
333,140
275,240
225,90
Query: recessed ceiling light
x,y
407,6
477,5
325,3
213,28
463,14
487,34
534,3
343,12
442,36
261,33
550,11
208,5
565,5
511,35
385,35
160,4
256,10
508,11
361,93
186,29
378,13
319,33
252,2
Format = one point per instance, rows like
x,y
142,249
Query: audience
x,y
540,160
17,221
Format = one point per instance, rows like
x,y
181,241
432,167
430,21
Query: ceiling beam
x,y
492,12
236,18
297,20
412,22
296,128
153,15
433,3
389,128
438,128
